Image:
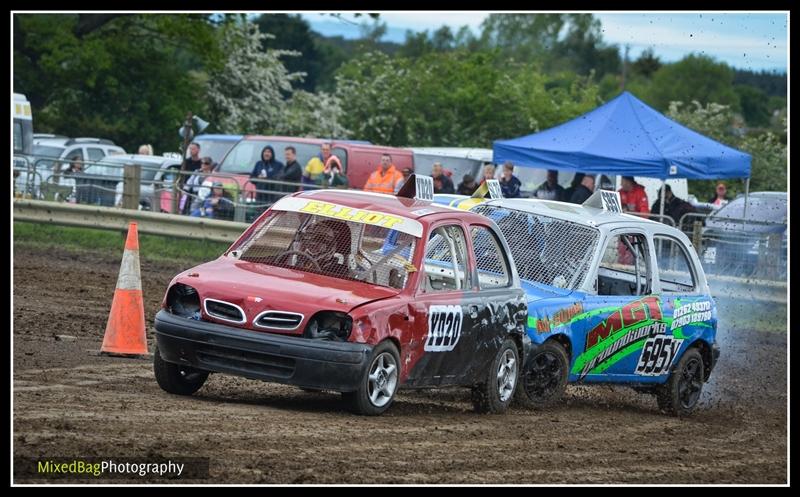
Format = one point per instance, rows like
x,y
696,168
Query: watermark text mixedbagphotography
x,y
102,468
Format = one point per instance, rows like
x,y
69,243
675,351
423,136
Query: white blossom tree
x,y
314,115
248,94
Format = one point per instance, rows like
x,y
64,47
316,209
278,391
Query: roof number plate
x,y
611,201
424,187
494,188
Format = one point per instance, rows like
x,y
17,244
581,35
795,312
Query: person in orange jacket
x,y
633,197
385,178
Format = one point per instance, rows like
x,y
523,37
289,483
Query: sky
x,y
755,41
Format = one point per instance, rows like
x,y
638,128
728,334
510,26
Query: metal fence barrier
x,y
117,219
739,248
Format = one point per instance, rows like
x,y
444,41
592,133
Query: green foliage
x,y
131,78
313,115
754,104
770,165
695,77
556,41
454,99
647,64
292,32
769,154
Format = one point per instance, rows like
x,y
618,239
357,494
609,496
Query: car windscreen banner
x,y
344,213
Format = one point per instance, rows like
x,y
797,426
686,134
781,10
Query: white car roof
x,y
576,213
481,154
139,158
51,142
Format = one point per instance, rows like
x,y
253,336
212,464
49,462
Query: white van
x,y
23,125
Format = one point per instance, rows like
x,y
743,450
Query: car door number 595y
x,y
657,355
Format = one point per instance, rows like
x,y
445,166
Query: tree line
x,y
132,77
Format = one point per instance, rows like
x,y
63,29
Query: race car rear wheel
x,y
176,378
680,394
379,385
495,394
544,379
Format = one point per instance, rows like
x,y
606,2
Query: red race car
x,y
355,292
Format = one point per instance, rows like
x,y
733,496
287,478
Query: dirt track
x,y
70,403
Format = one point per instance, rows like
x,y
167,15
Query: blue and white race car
x,y
612,298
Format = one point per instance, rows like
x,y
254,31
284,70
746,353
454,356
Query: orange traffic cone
x,y
125,333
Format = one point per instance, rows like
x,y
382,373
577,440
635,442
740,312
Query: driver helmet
x,y
318,240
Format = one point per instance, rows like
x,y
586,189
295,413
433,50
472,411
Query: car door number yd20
x,y
657,355
444,327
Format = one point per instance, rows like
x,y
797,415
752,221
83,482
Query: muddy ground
x,y
71,403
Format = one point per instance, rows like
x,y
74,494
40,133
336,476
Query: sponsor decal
x,y
692,312
657,355
350,214
628,316
618,345
560,318
620,334
444,328
335,211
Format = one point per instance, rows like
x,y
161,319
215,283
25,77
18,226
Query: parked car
x,y
354,292
612,299
736,245
216,146
101,182
358,160
53,155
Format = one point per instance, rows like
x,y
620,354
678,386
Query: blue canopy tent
x,y
626,137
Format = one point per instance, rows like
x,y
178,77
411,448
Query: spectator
x,y
509,183
576,181
215,205
488,172
674,207
407,172
146,149
69,179
318,165
467,186
583,191
191,163
267,168
196,188
334,178
605,183
441,182
633,197
721,197
550,189
292,172
75,165
385,178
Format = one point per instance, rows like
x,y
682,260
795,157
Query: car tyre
x,y
544,380
496,392
176,378
680,394
379,384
